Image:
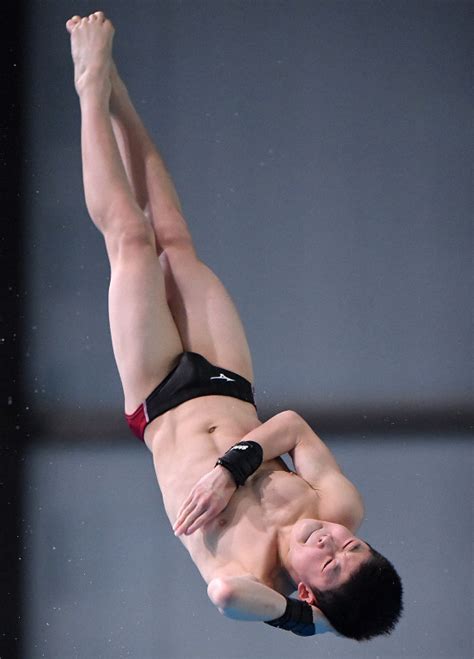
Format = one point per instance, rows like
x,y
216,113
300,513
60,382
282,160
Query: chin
x,y
303,529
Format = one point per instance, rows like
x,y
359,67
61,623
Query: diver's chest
x,y
247,530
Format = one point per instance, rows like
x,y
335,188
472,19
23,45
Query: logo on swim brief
x,y
222,377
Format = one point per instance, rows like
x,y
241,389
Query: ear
x,y
306,595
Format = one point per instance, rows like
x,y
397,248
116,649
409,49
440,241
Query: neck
x,y
287,579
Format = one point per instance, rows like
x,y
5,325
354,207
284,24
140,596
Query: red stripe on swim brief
x,y
138,422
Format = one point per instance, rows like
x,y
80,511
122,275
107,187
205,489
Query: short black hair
x,y
368,604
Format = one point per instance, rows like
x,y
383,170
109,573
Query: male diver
x,y
256,531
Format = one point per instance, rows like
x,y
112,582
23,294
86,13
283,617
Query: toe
x,y
99,15
72,22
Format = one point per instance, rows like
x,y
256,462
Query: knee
x,y
172,231
178,256
130,237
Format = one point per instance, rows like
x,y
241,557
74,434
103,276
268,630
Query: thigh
x,y
145,339
204,312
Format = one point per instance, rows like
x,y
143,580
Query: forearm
x,y
277,436
245,598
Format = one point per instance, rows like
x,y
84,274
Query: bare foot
x,y
91,48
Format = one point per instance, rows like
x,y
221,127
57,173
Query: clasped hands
x,y
207,499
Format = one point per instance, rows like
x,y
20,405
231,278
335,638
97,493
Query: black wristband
x,y
298,618
242,460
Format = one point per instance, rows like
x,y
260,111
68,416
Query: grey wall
x,y
107,579
322,154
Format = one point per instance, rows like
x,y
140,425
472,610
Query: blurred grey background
x,y
323,155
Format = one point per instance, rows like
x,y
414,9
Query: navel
x,y
211,429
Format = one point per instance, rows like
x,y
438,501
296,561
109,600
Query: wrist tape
x,y
298,618
242,460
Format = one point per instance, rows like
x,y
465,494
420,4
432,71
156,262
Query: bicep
x,y
339,499
311,457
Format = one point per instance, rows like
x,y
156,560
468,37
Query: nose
x,y
323,541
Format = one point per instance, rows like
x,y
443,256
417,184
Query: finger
x,y
192,517
198,522
180,528
207,516
180,525
183,512
187,517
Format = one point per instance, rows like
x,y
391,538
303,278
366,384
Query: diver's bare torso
x,y
185,443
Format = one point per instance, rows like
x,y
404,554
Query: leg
x,y
145,339
205,315
204,312
147,173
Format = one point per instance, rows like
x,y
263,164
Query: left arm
x,y
245,598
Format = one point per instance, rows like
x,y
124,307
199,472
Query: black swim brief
x,y
192,377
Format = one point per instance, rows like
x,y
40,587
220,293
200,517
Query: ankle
x,y
94,96
94,82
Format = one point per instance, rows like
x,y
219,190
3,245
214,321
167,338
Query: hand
x,y
207,499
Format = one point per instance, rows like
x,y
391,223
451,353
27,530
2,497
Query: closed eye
x,y
354,546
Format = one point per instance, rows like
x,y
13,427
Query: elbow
x,y
291,415
292,418
221,595
294,423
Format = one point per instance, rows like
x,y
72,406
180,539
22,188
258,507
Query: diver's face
x,y
323,554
